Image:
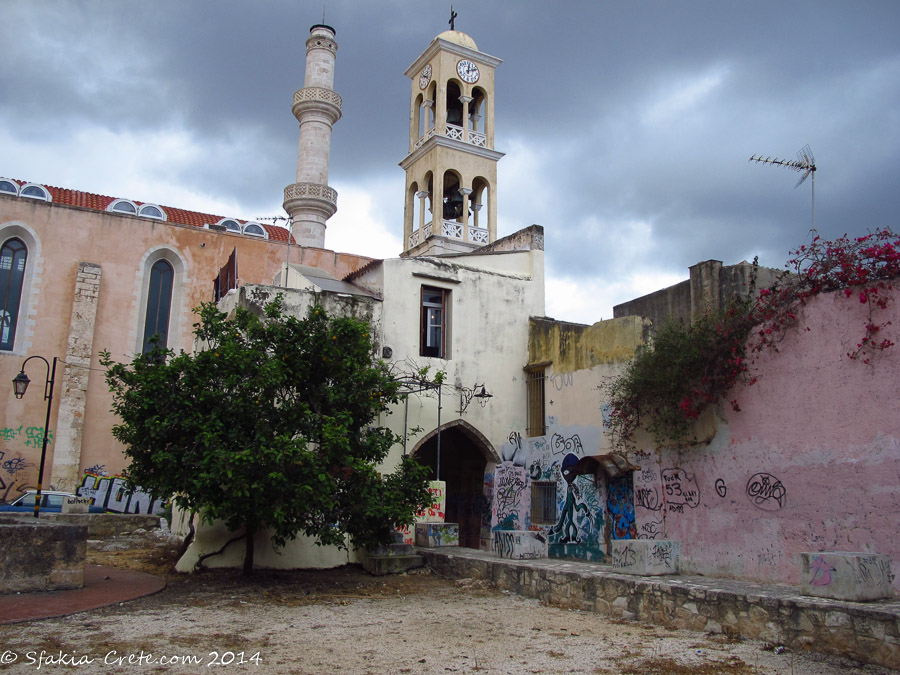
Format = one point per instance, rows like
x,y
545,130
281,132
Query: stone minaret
x,y
310,202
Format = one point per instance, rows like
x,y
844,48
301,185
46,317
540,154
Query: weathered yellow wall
x,y
572,347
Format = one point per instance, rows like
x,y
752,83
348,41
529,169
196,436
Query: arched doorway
x,y
465,455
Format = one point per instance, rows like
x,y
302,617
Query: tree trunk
x,y
248,554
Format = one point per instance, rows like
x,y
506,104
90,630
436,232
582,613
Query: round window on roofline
x,y
230,224
9,186
35,192
254,230
152,211
123,206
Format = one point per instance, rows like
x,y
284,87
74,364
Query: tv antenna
x,y
805,162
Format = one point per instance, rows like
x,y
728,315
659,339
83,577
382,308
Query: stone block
x,y
519,544
76,505
38,555
646,557
839,575
432,535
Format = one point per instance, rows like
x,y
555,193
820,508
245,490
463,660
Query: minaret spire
x,y
310,201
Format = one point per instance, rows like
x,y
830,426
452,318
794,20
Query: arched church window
x,y
230,224
35,192
13,256
9,186
123,206
159,305
254,230
152,211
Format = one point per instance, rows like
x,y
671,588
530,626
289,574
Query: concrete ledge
x,y
857,577
38,555
868,632
520,544
432,535
102,525
646,557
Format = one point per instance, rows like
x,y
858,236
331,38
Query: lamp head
x,y
20,384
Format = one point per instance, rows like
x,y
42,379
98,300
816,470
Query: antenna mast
x,y
805,162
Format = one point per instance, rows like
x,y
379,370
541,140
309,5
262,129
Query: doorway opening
x,y
465,455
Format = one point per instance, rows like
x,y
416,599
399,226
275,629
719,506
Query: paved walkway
x,y
102,586
868,631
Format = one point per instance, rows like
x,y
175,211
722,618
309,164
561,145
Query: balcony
x,y
452,230
457,133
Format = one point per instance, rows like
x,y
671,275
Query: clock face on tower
x,y
425,77
467,70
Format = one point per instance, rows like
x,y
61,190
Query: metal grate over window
x,y
534,383
543,502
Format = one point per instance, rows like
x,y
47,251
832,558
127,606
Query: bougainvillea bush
x,y
690,366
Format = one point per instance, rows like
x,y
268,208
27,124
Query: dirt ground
x,y
346,621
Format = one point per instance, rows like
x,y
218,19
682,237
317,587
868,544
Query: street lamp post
x,y
20,385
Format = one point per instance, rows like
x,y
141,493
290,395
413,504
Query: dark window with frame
x,y
13,257
159,304
534,395
543,502
433,324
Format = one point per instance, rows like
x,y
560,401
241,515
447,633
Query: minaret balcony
x,y
317,100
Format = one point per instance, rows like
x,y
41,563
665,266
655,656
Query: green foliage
x,y
269,424
686,367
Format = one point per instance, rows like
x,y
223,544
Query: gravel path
x,y
346,621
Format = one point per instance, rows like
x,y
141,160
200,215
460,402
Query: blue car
x,y
51,502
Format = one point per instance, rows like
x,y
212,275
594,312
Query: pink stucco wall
x,y
811,462
118,243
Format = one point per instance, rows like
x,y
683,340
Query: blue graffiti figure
x,y
566,525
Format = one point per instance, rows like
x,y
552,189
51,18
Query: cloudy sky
x,y
627,125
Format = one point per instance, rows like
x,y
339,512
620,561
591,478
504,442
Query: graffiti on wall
x,y
512,450
561,380
576,519
572,445
620,504
13,474
511,500
519,545
33,436
646,483
721,488
435,511
766,492
680,490
111,493
651,529
821,571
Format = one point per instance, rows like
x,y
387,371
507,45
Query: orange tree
x,y
269,424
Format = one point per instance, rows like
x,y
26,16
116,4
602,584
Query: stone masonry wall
x,y
868,632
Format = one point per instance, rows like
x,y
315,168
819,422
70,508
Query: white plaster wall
x,y
488,337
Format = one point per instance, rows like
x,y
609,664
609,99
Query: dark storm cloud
x,y
628,125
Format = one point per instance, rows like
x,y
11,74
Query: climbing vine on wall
x,y
862,268
688,367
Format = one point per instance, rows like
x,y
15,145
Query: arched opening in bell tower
x,y
480,206
453,198
454,105
465,456
420,116
476,110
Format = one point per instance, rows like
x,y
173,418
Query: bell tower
x,y
451,168
310,201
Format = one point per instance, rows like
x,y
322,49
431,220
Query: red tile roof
x,y
89,200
